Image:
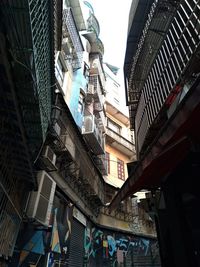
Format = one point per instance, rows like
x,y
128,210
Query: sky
x,y
113,19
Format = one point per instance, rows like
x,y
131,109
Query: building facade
x,y
162,79
53,190
26,70
119,138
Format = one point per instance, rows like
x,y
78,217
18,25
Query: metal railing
x,y
98,89
120,139
180,44
96,68
72,32
77,169
41,38
10,209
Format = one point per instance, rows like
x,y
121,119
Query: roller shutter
x,y
76,250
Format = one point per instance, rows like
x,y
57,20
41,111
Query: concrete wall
x,y
112,177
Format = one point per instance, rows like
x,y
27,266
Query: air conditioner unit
x,y
40,202
91,134
90,89
49,158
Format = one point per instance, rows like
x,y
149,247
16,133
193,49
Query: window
x,y
107,162
120,169
132,137
114,126
59,72
86,70
80,102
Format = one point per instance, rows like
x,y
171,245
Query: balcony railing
x,y
96,68
98,89
70,31
169,69
120,139
139,220
74,164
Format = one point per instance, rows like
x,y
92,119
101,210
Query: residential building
x,y
26,71
54,193
162,77
119,138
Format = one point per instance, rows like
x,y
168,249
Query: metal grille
x,y
10,214
180,44
40,23
94,80
25,98
30,38
76,250
72,32
158,21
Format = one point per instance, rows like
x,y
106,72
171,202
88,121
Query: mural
x,y
104,248
48,247
40,246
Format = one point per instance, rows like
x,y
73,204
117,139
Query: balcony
x,y
97,69
74,164
98,90
102,120
174,67
70,31
119,142
92,134
134,219
78,13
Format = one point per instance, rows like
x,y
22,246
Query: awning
x,y
168,150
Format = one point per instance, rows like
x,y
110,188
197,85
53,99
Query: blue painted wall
x,y
79,81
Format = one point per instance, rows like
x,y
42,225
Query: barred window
x,y
120,169
80,102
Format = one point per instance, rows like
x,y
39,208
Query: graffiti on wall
x,y
101,245
35,243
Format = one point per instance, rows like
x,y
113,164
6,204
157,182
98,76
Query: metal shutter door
x,y
76,250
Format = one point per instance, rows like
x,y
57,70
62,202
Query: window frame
x,y
81,102
113,126
60,71
120,169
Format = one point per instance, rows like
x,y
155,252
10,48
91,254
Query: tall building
x,y
28,35
53,186
119,138
162,77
